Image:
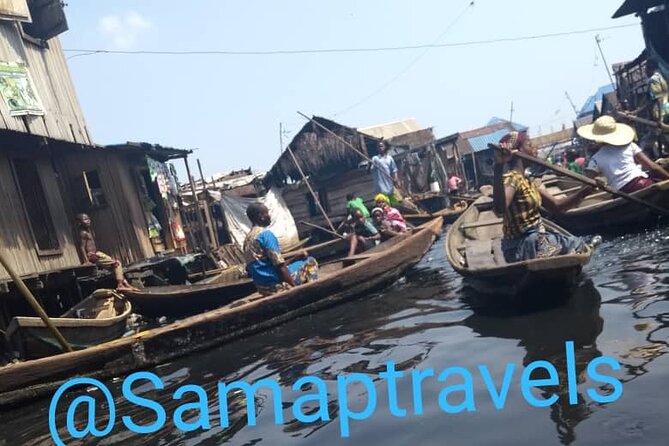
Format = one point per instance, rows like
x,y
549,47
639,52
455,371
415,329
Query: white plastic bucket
x,y
434,186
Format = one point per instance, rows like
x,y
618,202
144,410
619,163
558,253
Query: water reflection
x,y
543,335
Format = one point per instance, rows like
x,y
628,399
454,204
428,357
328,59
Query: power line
x,y
91,52
411,64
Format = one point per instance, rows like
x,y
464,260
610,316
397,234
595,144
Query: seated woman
x,y
389,213
264,262
387,228
365,235
518,200
619,159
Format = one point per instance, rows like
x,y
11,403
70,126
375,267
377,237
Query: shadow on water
x,y
543,335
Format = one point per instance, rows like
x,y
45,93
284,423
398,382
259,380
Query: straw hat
x,y
606,130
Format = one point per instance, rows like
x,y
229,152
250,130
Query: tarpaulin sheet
x,y
283,224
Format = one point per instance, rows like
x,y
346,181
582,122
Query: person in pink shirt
x,y
453,183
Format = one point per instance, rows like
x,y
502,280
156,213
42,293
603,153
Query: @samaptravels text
x,y
356,397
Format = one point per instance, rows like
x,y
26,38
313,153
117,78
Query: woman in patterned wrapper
x,y
519,200
265,263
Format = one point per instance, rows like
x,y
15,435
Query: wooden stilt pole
x,y
198,214
207,211
34,304
313,194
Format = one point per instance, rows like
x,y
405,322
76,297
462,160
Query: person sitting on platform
x,y
265,263
518,200
618,158
90,255
365,236
387,228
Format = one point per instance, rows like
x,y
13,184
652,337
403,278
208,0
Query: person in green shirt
x,y
571,162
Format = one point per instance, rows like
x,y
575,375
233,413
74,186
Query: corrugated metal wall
x,y
63,118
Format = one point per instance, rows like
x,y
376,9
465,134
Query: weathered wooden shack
x,y
50,168
335,170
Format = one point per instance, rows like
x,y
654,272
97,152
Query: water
x,y
426,320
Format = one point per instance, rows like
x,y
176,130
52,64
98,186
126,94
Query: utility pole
x,y
606,65
511,114
280,137
573,106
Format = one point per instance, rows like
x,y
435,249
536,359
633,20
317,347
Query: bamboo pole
x,y
198,215
351,146
34,304
585,180
313,194
306,223
648,122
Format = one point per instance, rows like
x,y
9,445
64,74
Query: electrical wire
x,y
91,52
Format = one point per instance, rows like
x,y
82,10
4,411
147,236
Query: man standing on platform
x,y
385,173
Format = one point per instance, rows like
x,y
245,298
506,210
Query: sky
x,y
229,107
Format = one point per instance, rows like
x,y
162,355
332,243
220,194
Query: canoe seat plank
x,y
479,254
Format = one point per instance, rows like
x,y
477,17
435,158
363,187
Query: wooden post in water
x,y
313,194
198,215
34,304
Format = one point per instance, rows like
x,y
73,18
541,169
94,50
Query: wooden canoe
x,y
601,211
99,318
449,215
473,248
342,280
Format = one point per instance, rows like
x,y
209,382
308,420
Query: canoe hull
x,y
244,317
521,280
603,213
30,337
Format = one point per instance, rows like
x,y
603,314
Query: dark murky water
x,y
426,320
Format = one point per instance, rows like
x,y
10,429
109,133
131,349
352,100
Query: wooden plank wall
x,y
120,227
15,236
63,118
358,182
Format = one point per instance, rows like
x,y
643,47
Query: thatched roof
x,y
320,153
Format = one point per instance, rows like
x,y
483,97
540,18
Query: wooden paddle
x,y
306,223
585,180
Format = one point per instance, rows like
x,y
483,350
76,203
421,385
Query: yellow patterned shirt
x,y
523,212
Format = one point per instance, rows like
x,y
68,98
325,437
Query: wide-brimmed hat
x,y
606,130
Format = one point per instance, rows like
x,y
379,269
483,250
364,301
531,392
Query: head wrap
x,y
514,139
381,197
375,210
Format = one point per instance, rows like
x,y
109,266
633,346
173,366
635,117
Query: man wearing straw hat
x,y
618,158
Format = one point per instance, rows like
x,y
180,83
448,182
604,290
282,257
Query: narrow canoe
x,y
340,280
99,318
473,248
601,211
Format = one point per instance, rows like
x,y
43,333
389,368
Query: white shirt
x,y
617,164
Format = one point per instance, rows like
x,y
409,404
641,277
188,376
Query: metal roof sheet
x,y
393,129
480,143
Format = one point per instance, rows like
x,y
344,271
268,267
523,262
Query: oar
x,y
643,121
585,180
306,223
34,304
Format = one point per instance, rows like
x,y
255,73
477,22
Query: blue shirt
x,y
383,181
263,257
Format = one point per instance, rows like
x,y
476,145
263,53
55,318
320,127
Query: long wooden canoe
x,y
473,248
95,320
342,280
601,211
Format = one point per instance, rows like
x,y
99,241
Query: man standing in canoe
x,y
264,262
385,173
618,158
